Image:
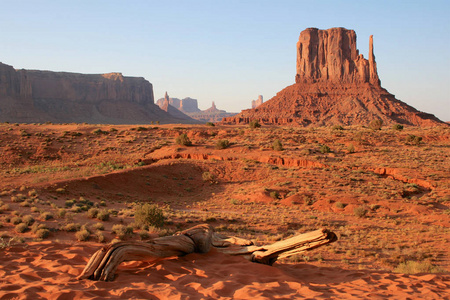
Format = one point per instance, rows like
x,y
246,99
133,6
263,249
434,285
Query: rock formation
x,y
186,105
189,107
39,96
258,102
334,85
174,112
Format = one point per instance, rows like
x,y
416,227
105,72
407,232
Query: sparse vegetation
x,y
183,140
222,144
254,124
376,124
148,215
277,145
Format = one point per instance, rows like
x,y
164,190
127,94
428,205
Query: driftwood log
x,y
201,238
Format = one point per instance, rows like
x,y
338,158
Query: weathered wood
x,y
201,238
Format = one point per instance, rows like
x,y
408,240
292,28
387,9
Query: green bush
x,y
22,227
325,149
183,140
71,227
28,219
376,124
210,124
338,127
254,124
360,211
339,205
103,215
397,127
222,144
413,140
92,212
42,233
46,216
82,235
149,215
207,176
277,145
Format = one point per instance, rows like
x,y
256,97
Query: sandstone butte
x,y
189,107
334,85
32,96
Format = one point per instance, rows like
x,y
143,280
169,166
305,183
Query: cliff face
x,y
40,96
186,105
334,85
331,55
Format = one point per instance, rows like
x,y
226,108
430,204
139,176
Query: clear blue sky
x,y
228,51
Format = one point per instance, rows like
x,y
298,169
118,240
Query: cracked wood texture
x,y
201,238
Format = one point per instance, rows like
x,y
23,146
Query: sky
x,y
229,51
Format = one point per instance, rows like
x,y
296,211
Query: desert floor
x,y
385,193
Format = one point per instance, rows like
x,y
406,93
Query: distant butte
x,y
335,85
32,96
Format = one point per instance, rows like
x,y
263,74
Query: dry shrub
x,y
148,215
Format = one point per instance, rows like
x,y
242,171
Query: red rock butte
x,y
334,85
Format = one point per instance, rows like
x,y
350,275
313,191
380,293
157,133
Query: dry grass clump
x,y
360,211
82,235
277,145
103,215
222,144
148,215
21,228
414,267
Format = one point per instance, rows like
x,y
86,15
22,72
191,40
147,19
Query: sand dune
x,y
48,270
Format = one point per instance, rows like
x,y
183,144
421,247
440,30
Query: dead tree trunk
x,y
103,264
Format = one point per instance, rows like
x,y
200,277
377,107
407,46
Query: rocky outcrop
x,y
186,105
62,97
334,85
174,112
211,114
258,102
331,56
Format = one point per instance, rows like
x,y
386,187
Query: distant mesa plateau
x,y
32,96
189,107
334,85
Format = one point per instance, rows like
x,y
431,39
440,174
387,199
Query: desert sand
x,y
385,193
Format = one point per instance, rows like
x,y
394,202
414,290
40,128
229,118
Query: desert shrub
x,y
274,194
183,140
71,227
339,205
61,213
222,144
149,215
16,220
207,176
22,227
99,131
42,233
324,149
46,216
100,237
98,226
5,207
210,124
70,203
360,211
309,200
413,139
277,145
254,124
60,190
143,234
337,127
376,124
103,215
82,235
351,148
92,213
121,230
397,127
28,219
413,267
